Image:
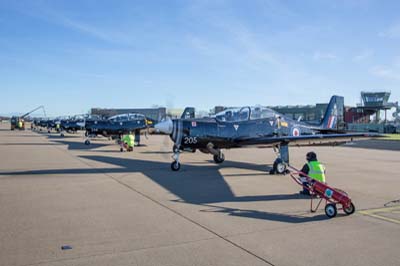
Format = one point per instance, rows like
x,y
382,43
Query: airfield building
x,y
373,104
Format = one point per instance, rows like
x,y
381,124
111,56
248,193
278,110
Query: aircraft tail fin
x,y
188,113
334,113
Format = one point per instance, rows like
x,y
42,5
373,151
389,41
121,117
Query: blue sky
x,y
74,55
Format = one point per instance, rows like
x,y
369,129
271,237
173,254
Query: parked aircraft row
x,y
232,128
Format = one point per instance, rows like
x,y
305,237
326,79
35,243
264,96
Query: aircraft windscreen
x,y
118,118
233,115
259,112
136,116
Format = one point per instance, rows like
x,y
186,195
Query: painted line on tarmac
x,y
374,213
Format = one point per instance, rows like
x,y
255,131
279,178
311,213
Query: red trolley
x,y
332,196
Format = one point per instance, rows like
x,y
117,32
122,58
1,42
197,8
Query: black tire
x,y
62,135
279,166
350,210
330,210
121,150
87,142
175,166
219,158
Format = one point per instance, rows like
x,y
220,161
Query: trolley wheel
x,y
175,166
87,142
330,210
350,210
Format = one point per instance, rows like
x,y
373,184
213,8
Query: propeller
x,y
166,127
173,130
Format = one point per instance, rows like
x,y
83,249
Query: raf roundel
x,y
296,132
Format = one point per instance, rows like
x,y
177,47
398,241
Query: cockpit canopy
x,y
126,117
245,113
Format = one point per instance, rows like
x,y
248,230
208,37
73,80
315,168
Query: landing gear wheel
x,y
330,210
87,142
219,158
349,210
175,166
279,166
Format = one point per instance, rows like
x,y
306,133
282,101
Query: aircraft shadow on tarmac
x,y
29,144
73,145
199,185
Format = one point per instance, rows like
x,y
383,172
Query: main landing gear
x,y
219,158
280,164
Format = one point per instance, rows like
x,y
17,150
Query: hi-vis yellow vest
x,y
317,171
129,140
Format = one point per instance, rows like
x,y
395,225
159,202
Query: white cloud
x,y
367,53
392,32
87,29
324,56
386,72
43,11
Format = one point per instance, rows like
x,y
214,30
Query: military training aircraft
x,y
118,125
255,126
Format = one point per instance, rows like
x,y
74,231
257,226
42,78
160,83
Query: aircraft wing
x,y
308,140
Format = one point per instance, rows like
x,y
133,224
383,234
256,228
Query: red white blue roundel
x,y
295,132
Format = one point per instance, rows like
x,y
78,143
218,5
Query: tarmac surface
x,y
111,208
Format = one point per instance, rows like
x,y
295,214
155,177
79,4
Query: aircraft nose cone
x,y
164,126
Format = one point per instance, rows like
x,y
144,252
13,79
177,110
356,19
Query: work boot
x,y
305,192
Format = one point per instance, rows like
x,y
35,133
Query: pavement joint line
x,y
190,220
169,208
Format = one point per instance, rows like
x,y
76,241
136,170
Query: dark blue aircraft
x,y
118,125
254,126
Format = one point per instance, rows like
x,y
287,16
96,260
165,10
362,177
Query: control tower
x,y
374,102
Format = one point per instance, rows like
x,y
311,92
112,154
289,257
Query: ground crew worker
x,y
19,124
128,142
313,169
